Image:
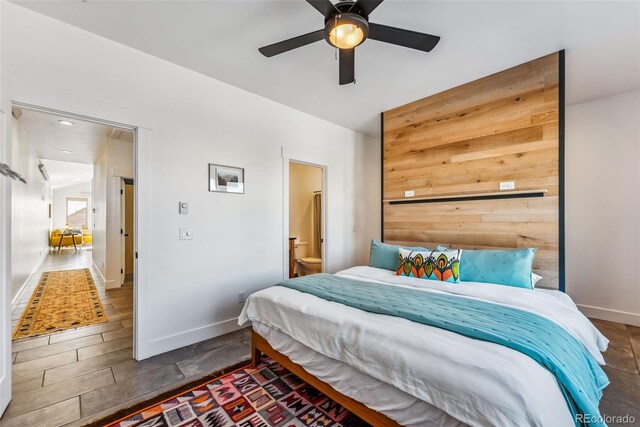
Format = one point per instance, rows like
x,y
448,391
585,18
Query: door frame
x,y
141,170
5,265
285,206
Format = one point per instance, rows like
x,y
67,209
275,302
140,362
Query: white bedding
x,y
407,410
476,382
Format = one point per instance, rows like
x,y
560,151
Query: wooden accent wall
x,y
462,143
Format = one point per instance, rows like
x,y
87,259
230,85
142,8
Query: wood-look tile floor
x,y
77,376
622,396
73,377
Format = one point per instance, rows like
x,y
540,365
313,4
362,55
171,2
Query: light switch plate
x,y
186,233
183,207
409,193
507,185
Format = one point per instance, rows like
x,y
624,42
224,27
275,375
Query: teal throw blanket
x,y
580,377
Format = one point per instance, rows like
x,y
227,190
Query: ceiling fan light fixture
x,y
346,31
346,26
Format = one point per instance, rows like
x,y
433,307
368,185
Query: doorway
x,y
306,219
52,150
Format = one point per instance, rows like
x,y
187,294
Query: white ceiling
x,y
221,38
65,174
48,137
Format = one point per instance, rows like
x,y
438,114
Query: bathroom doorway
x,y
306,219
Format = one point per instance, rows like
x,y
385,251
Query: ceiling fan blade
x,y
368,6
347,66
400,37
325,7
290,44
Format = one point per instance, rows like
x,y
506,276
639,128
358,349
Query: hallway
x,y
80,375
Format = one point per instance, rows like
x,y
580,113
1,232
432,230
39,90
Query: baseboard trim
x,y
111,284
95,266
610,315
192,336
108,284
19,295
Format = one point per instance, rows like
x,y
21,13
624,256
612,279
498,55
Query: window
x,y
77,212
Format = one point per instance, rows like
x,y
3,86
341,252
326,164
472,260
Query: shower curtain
x,y
317,224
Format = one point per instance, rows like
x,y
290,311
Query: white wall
x,y
114,161
60,196
31,223
99,251
603,207
303,181
119,164
188,291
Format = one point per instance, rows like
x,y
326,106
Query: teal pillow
x,y
503,267
386,256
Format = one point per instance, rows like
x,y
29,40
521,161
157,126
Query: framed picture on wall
x,y
226,179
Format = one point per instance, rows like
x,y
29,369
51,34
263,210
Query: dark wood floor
x,y
74,377
622,396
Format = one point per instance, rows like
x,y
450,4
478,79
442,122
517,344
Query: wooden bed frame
x,y
260,346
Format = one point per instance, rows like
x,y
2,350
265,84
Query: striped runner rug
x,y
62,300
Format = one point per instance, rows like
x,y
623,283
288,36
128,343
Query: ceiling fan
x,y
346,25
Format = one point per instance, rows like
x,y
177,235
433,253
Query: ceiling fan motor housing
x,y
346,13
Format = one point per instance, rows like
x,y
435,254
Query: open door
x,y
127,197
122,227
5,287
128,226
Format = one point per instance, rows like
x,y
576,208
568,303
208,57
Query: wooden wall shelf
x,y
467,197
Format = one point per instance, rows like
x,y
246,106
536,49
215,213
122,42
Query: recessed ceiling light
x,y
66,123
66,151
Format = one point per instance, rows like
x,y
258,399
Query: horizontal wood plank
x,y
464,142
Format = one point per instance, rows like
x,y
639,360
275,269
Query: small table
x,y
71,233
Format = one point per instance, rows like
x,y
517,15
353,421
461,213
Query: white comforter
x,y
476,382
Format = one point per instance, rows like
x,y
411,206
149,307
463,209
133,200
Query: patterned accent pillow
x,y
434,265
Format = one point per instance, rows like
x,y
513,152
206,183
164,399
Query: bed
x,y
394,371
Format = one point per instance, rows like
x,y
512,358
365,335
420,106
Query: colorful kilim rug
x,y
266,396
62,300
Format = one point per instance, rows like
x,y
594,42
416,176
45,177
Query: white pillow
x,y
535,278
